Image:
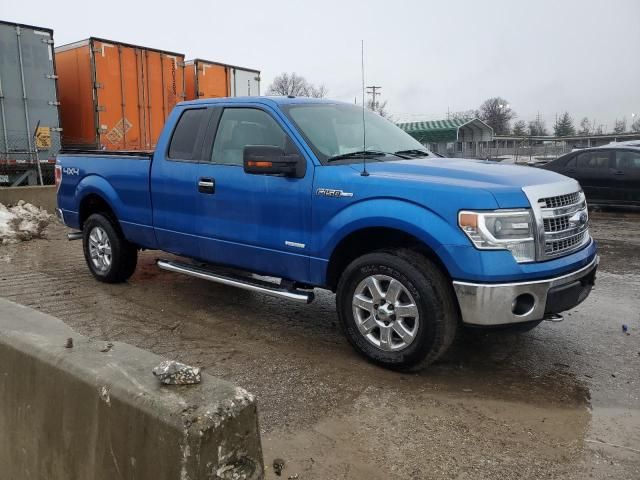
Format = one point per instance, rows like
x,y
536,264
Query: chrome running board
x,y
246,283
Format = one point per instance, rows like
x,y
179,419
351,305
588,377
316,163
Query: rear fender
x,y
97,185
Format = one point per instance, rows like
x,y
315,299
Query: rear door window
x,y
186,141
627,160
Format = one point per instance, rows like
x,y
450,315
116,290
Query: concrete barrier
x,y
44,197
79,413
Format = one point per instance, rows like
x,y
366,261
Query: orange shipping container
x,y
114,95
205,79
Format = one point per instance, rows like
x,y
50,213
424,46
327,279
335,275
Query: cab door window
x,y
571,163
241,127
593,160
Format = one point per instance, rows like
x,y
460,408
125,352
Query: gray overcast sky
x,y
429,56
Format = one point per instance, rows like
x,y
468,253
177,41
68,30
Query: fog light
x,y
523,304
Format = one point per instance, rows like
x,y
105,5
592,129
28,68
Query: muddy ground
x,y
549,403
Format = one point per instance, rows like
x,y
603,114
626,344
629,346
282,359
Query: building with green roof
x,y
450,136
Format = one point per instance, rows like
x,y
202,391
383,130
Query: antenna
x,y
364,129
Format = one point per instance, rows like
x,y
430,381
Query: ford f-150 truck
x,y
284,195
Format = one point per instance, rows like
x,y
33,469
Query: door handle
x,y
618,172
207,185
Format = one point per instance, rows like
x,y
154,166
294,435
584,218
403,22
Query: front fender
x,y
408,217
411,218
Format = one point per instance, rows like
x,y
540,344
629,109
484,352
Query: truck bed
x,y
121,176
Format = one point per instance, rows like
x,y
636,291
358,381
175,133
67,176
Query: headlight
x,y
511,230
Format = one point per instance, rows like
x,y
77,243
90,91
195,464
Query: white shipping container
x,y
244,82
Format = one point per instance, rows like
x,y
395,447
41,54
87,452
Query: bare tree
x,y
496,112
538,128
635,126
317,92
520,128
287,84
585,127
380,108
463,115
620,126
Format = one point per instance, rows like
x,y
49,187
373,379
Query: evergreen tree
x,y
564,126
520,128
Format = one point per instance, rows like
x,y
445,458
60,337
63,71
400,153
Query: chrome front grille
x,y
556,224
560,200
565,223
558,247
562,221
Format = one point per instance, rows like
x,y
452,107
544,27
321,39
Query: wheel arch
x,y
97,195
95,203
369,239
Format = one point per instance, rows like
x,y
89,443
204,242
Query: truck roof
x,y
264,100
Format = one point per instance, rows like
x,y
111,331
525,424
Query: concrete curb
x,y
82,413
41,196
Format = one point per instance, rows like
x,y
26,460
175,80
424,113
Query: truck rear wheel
x,y
397,309
109,256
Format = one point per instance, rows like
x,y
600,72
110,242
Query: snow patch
x,y
22,222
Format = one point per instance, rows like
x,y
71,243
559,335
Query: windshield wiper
x,y
358,154
413,152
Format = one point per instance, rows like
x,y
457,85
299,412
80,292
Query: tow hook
x,y
554,317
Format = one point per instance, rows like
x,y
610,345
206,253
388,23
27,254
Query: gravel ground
x,y
542,404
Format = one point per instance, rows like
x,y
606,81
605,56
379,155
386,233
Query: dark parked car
x,y
609,175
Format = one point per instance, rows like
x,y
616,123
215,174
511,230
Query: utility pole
x,y
373,91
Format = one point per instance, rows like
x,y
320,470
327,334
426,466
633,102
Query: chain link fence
x,y
508,152
26,161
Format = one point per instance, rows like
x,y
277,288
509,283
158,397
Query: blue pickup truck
x,y
284,195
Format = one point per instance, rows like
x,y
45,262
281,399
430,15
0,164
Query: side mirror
x,y
271,160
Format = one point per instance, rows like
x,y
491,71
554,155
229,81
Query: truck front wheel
x,y
109,256
397,308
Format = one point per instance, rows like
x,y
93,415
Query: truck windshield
x,y
334,132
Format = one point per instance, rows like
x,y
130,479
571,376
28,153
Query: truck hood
x,y
504,182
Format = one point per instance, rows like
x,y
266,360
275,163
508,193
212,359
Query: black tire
x,y
431,292
124,255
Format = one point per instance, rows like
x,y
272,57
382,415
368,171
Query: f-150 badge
x,y
330,192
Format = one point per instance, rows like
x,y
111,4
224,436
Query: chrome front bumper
x,y
486,304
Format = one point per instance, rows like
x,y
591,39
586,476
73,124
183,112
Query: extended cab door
x,y
260,223
176,182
